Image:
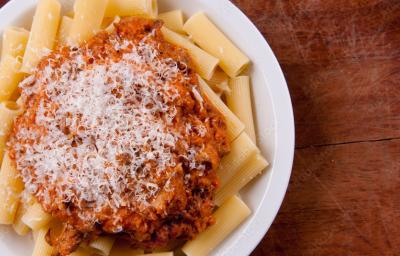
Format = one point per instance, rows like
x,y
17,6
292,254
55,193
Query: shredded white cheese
x,y
108,125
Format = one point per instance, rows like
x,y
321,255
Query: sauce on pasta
x,y
118,139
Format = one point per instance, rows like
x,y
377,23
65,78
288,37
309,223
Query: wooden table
x,y
341,59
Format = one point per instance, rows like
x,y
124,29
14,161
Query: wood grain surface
x,y
341,59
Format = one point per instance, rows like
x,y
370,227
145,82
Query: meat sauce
x,y
118,139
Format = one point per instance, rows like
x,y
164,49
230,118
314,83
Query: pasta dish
x,y
122,136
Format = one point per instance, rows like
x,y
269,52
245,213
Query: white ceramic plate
x,y
273,110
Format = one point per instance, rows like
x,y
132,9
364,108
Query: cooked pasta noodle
x,y
239,101
43,33
14,42
253,167
132,7
87,20
205,63
211,39
228,217
173,20
11,187
234,125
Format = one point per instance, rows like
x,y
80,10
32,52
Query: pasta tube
x,y
102,245
14,42
228,217
87,20
110,28
10,76
121,248
35,217
80,252
43,33
8,112
219,82
253,167
19,226
239,101
11,187
42,248
241,151
173,20
205,63
131,8
210,38
63,32
234,125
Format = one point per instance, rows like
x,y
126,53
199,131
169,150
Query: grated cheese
x,y
108,126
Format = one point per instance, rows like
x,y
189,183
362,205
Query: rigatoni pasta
x,y
81,252
87,20
41,247
14,42
219,82
110,28
35,217
234,125
253,167
239,101
131,8
19,226
8,112
228,217
10,76
63,32
173,20
11,187
121,248
204,62
102,245
158,254
241,150
43,33
211,39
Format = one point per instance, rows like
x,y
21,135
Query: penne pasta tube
x,y
41,247
8,112
121,248
35,217
228,217
14,42
43,33
102,245
239,101
173,20
87,20
234,125
219,82
63,32
210,38
204,62
253,167
19,226
132,8
241,151
110,28
158,254
80,252
10,76
11,187
219,77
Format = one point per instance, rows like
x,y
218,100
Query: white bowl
x,y
273,110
